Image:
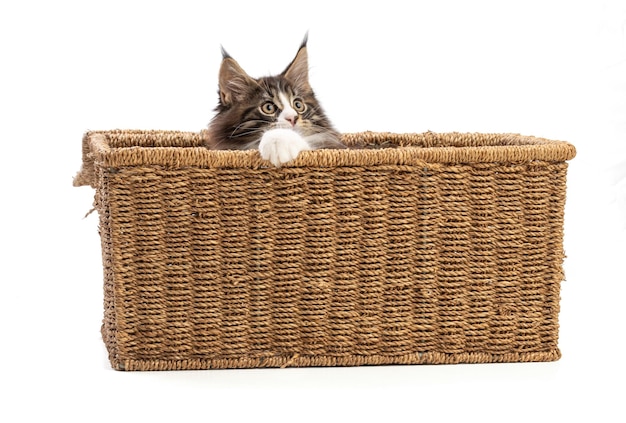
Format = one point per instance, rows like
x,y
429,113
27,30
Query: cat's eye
x,y
299,105
268,108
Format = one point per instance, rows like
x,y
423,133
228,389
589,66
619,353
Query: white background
x,y
555,69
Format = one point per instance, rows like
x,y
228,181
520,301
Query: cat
x,y
279,114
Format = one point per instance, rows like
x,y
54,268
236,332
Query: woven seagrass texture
x,y
437,248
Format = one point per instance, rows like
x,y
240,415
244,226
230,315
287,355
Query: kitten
x,y
278,114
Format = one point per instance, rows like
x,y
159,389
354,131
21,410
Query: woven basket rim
x,y
175,149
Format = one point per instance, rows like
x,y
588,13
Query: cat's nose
x,y
291,119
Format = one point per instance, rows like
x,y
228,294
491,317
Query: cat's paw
x,y
281,145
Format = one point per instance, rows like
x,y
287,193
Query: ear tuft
x,y
225,54
305,40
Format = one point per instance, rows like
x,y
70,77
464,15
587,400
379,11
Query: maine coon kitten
x,y
278,114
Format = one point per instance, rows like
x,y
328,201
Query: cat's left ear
x,y
298,70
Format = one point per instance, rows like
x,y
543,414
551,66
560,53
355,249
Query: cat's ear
x,y
234,82
298,70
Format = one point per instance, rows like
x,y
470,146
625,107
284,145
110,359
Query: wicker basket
x,y
417,248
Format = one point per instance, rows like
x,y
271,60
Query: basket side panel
x,y
508,240
109,324
137,229
482,186
427,259
517,256
454,248
344,332
549,182
319,262
372,207
383,264
402,224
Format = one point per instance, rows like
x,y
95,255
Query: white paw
x,y
281,145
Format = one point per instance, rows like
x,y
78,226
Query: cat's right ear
x,y
234,82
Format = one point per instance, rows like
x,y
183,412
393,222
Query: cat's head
x,y
250,106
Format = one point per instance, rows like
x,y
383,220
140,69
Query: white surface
x,y
555,69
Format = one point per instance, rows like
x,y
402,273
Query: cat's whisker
x,y
247,123
237,128
243,134
252,145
